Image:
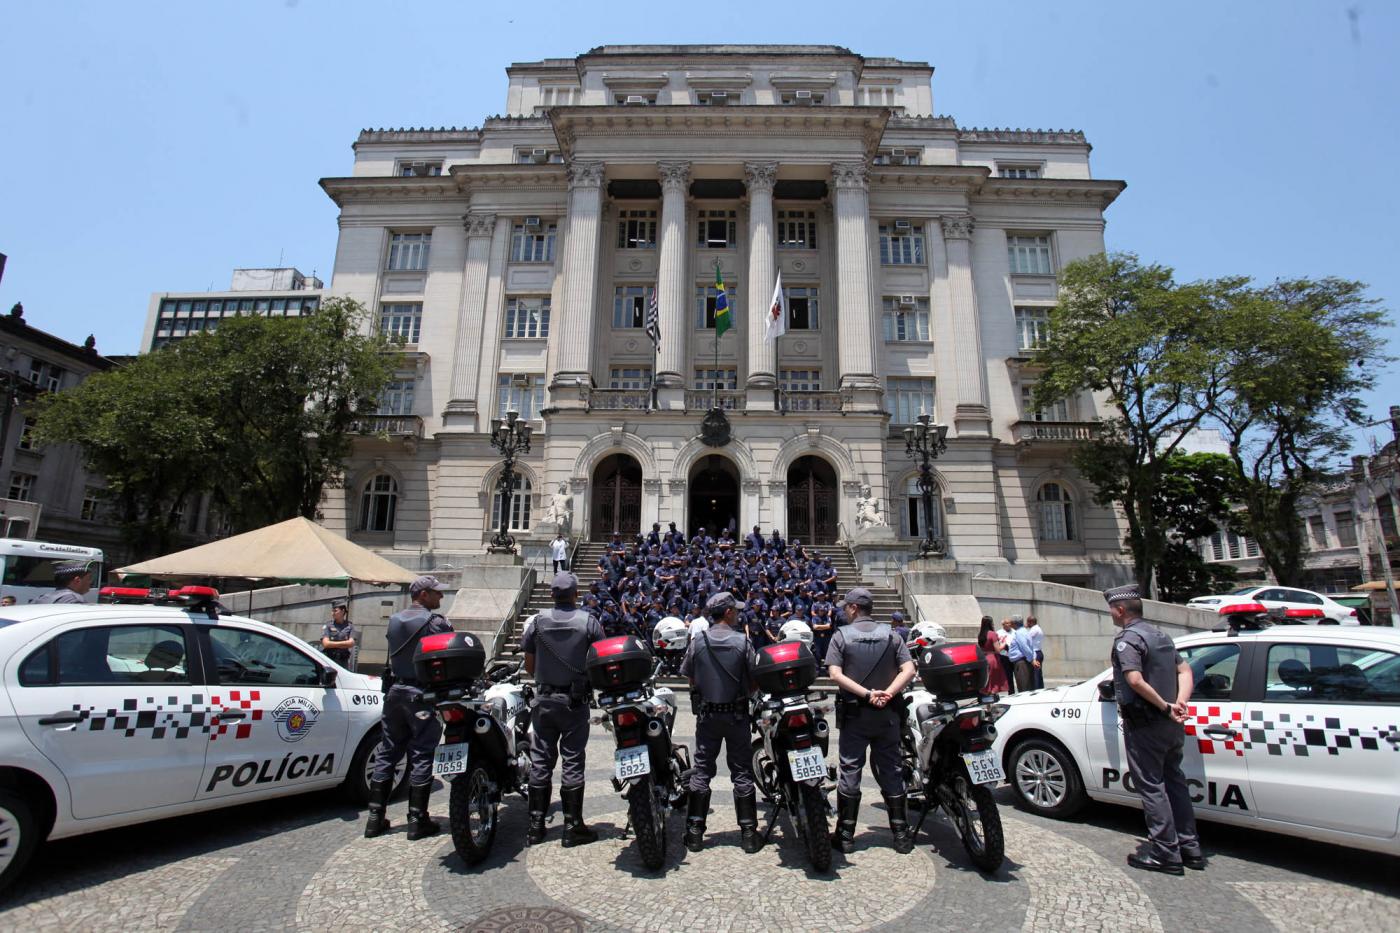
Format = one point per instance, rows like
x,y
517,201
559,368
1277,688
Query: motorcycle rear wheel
x,y
472,814
815,833
648,823
765,773
978,823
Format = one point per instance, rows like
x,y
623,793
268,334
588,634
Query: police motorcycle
x,y
485,750
648,768
789,754
670,639
946,742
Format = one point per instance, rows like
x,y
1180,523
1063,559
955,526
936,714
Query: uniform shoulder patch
x,y
1122,646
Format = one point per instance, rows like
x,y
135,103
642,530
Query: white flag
x,y
777,313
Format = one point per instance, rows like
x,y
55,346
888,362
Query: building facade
x,y
281,292
518,262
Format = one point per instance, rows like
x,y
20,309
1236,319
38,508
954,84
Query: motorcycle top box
x,y
448,659
953,670
787,667
623,661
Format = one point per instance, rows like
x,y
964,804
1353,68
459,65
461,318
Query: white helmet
x,y
670,634
927,635
796,630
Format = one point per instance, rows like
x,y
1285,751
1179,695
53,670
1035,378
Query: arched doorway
x,y
616,497
713,501
813,501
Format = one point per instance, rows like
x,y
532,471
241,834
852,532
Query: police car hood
x,y
349,680
1063,694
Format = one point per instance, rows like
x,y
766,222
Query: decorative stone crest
x,y
958,227
714,430
852,175
479,223
760,176
585,174
675,176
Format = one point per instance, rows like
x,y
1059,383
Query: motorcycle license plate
x,y
983,767
451,759
632,762
807,764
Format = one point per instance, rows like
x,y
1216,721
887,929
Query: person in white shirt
x,y
698,625
559,552
1037,636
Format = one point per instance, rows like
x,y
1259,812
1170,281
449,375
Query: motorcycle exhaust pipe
x,y
822,728
483,725
655,728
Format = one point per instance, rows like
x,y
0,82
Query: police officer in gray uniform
x,y
556,650
410,725
1151,684
871,665
719,663
72,579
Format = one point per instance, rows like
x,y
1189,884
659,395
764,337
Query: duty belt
x,y
737,706
546,690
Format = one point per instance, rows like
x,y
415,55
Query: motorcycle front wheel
x,y
648,822
812,802
974,813
472,813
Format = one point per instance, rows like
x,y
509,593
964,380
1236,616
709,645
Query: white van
x,y
28,567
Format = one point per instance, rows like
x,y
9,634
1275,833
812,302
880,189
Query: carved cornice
x,y
956,226
391,187
423,134
760,176
968,177
850,175
675,176
1000,135
585,174
551,175
1099,192
479,223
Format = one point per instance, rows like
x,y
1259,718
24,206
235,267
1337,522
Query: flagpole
x,y
714,376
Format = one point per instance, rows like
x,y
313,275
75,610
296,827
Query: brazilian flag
x,y
724,320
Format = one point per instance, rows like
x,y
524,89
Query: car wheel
x,y
19,836
362,770
1046,779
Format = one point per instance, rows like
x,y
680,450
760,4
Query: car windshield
x,y
1243,591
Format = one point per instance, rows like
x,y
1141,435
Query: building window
x,y
378,503
1056,513
1018,171
527,317
520,392
92,504
26,435
717,229
397,398
1032,328
558,96
914,510
716,98
420,169
800,380
1056,411
401,320
48,377
898,156
906,319
636,230
877,96
635,100
907,399
532,242
22,486
629,377
705,298
1318,528
901,244
802,308
630,306
1385,512
1217,546
538,155
1346,528
519,504
802,98
408,252
725,380
1029,255
797,229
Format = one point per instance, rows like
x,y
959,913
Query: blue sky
x,y
156,146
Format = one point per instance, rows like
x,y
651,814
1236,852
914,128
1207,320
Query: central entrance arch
x,y
713,502
616,494
813,501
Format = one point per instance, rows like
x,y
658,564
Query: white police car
x,y
118,714
1294,729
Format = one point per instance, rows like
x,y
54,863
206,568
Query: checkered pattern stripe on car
x,y
151,719
1298,735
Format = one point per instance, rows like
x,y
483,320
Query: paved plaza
x,y
301,863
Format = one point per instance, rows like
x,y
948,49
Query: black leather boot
x,y
746,813
847,809
420,824
898,807
695,815
576,833
539,807
378,801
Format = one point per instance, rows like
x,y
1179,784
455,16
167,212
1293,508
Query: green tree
x,y
1298,355
1130,331
1194,498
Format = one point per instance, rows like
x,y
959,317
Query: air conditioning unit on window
x,y
539,155
721,96
802,95
520,381
634,100
906,301
903,225
896,153
532,223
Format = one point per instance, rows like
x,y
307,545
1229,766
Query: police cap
x,y
860,596
1120,593
563,582
720,603
424,582
70,569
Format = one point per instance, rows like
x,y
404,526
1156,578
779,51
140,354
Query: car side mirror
x,y
1106,691
328,676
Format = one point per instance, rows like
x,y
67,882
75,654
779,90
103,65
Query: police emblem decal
x,y
294,717
1122,646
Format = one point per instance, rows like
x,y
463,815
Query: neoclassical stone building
x,y
918,260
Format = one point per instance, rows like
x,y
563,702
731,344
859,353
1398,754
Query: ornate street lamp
x,y
511,437
926,441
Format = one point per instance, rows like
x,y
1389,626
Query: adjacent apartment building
x,y
281,292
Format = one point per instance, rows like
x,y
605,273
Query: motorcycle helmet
x,y
796,630
670,635
927,635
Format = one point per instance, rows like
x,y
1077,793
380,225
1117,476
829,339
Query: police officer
x,y
72,579
556,650
338,635
1151,684
871,666
410,724
719,664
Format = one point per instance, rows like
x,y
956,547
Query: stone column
x,y
671,286
460,412
573,378
971,414
858,324
763,355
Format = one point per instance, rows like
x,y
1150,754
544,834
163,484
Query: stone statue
x,y
868,509
561,507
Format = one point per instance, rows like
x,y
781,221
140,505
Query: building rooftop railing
x,y
392,425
